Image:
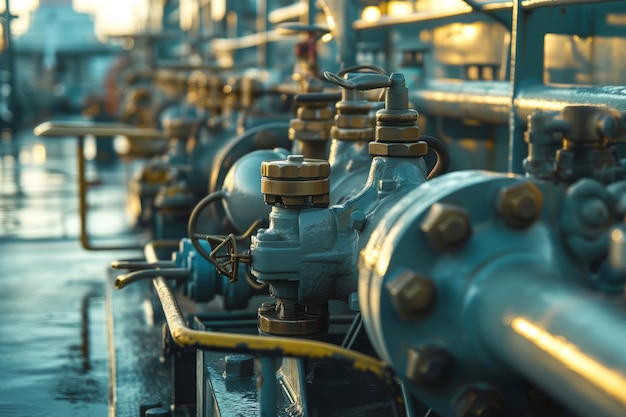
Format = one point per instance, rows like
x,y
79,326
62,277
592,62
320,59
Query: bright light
x,y
327,38
371,14
115,17
121,144
399,8
573,359
39,154
20,8
188,9
90,149
469,31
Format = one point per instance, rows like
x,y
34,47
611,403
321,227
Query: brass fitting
x,y
398,149
295,182
397,133
315,119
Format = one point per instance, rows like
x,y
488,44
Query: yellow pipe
x,y
264,345
186,337
220,341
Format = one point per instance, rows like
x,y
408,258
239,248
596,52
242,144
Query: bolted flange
x,y
446,226
412,295
428,365
520,205
295,182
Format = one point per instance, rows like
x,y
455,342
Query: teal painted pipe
x,y
490,101
267,387
567,340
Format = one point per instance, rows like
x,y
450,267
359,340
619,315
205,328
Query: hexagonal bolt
x,y
239,365
428,365
478,402
412,149
356,220
412,295
446,226
267,307
520,205
387,185
146,405
158,412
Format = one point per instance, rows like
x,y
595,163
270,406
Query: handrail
x,y
80,130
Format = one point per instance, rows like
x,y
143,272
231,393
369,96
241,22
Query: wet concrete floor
x,y
53,344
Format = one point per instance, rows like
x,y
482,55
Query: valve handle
x,y
226,263
317,98
360,82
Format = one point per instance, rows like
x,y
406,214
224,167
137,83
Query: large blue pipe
x,y
568,340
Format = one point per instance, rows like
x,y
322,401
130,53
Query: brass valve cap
x,y
295,182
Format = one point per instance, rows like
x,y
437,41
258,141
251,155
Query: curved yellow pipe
x,y
186,337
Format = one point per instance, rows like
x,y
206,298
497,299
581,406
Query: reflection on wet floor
x,y
53,355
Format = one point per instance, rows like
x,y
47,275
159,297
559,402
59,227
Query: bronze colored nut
x,y
428,365
318,186
308,113
366,134
397,134
320,200
412,295
312,125
295,168
153,175
307,135
272,323
446,226
398,149
478,402
392,116
520,205
353,121
353,107
178,128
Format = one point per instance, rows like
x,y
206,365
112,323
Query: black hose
x,y
193,220
373,68
443,156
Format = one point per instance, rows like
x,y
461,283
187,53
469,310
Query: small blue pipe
x,y
267,387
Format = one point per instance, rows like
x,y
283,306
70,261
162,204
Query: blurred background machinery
x,y
364,208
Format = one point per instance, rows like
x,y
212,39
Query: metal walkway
x,y
54,354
